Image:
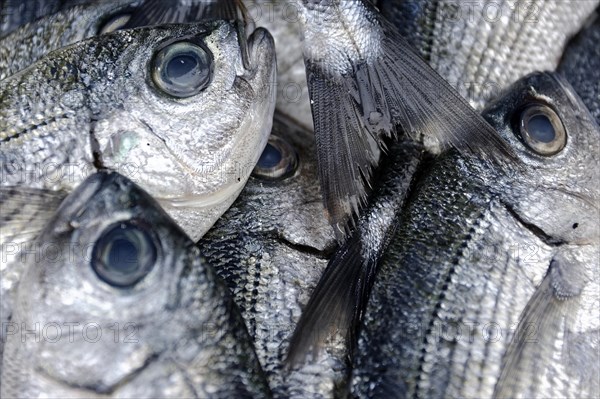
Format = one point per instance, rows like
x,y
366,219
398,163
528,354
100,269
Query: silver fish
x,y
25,45
580,65
117,302
271,247
490,286
481,47
340,297
122,102
366,83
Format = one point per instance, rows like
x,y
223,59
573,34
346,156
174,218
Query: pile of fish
x,y
307,199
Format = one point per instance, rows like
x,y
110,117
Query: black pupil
x,y
270,157
540,128
123,255
183,66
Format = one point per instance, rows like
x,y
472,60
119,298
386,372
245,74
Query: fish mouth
x,y
206,200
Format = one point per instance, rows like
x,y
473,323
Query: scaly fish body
x,y
489,287
97,105
482,47
271,247
124,306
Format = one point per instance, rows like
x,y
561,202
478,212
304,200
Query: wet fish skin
x,y
580,65
361,70
177,331
483,246
463,40
93,105
271,247
25,45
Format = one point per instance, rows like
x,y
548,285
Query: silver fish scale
x,y
50,125
481,47
271,250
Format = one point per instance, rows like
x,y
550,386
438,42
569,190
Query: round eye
x,y
124,255
114,23
278,160
542,130
182,69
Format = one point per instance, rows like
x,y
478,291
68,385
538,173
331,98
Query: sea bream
x,y
341,295
490,285
116,301
121,102
172,101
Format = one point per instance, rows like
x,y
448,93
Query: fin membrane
x,y
157,12
26,211
336,302
354,112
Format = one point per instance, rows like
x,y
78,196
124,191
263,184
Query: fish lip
x,y
259,42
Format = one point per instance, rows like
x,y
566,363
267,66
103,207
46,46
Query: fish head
x,y
194,119
123,304
555,188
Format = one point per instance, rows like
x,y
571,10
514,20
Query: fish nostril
x,y
575,225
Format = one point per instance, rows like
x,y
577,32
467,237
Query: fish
x,y
338,301
92,106
30,42
489,286
366,84
116,301
116,102
580,65
271,247
464,41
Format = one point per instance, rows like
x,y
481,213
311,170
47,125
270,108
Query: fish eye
x,y
278,160
123,255
542,130
114,23
182,69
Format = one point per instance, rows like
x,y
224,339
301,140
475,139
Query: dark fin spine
x,y
336,303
